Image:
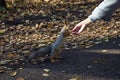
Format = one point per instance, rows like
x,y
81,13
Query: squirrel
x,y
57,46
51,51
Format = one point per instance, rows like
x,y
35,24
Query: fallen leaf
x,y
10,55
20,78
4,62
21,68
44,29
2,69
104,51
14,73
45,74
46,0
26,51
97,42
2,31
89,66
75,78
46,70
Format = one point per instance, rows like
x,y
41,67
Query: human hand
x,y
81,26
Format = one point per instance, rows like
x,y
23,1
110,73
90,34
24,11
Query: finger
x,y
77,27
75,33
82,28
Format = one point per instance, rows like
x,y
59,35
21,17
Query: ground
x,y
100,62
92,55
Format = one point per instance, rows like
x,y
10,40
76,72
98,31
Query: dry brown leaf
x,y
45,74
46,70
14,73
20,78
10,55
2,31
21,68
4,62
104,51
2,69
75,78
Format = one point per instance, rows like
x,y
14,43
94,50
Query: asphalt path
x,y
100,62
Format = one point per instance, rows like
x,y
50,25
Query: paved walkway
x,y
100,62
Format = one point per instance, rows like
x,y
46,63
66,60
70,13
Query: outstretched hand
x,y
81,26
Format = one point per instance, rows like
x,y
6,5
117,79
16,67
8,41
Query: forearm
x,y
104,10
